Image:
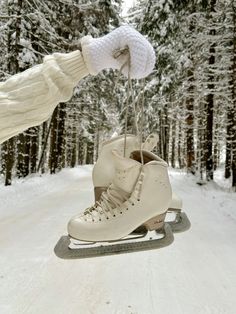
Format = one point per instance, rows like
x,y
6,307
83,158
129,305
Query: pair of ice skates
x,y
132,197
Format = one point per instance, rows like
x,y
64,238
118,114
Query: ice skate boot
x,y
139,195
104,171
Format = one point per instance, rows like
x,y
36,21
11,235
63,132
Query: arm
x,y
29,98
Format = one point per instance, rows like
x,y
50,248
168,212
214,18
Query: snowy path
x,y
196,274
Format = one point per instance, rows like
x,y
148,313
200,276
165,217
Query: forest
x,y
189,99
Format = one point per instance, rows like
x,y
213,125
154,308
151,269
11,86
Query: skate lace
x,y
109,204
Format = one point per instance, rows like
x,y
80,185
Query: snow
x,y
196,274
126,5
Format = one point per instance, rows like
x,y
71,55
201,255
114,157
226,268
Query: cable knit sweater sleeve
x,y
29,98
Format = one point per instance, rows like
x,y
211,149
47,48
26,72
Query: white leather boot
x,y
139,195
104,170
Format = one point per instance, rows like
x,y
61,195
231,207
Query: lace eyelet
x,y
127,208
107,218
114,215
121,213
132,204
138,200
100,219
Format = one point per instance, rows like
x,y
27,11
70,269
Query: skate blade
x,y
151,240
180,223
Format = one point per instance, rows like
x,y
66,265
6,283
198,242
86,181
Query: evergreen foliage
x,y
189,98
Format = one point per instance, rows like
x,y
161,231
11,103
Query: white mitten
x,y
98,53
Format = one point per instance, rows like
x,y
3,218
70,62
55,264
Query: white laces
x,y
112,200
109,204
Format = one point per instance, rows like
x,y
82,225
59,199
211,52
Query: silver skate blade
x,y
150,241
133,236
181,222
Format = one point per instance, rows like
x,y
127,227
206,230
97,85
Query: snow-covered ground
x,y
196,274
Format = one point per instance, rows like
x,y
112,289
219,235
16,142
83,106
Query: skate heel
x,y
98,192
156,222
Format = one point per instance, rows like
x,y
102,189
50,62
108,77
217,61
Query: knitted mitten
x,y
98,52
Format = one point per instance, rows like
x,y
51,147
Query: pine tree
x,y
192,80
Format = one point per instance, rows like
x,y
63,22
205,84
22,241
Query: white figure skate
x,y
104,171
130,214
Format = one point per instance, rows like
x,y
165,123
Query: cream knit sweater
x,y
29,98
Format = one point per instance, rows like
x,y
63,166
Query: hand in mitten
x,y
99,53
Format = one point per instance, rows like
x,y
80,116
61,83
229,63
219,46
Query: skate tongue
x,y
126,172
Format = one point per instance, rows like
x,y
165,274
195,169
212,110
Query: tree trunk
x,y
190,160
166,137
80,150
190,157
161,136
97,144
210,106
53,142
13,67
234,105
90,153
34,147
73,147
44,143
61,137
180,155
229,134
173,148
9,148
